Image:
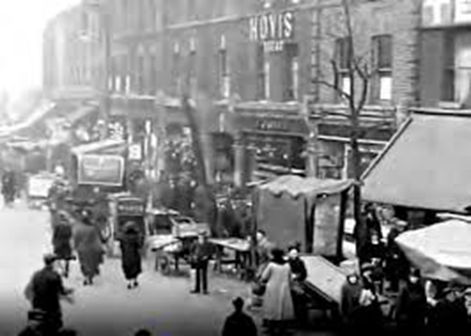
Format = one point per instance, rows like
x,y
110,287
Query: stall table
x,y
241,247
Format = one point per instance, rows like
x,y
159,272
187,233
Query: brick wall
x,y
399,18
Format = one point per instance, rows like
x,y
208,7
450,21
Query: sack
x,y
259,288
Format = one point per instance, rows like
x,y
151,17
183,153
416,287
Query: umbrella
x,y
441,251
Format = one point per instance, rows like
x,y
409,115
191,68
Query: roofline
x,y
388,146
464,113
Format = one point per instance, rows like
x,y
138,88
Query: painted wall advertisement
x,y
106,170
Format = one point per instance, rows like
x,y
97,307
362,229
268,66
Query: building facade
x,y
251,69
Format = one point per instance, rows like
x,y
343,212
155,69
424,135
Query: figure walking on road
x,y
278,307
45,291
131,242
62,242
87,242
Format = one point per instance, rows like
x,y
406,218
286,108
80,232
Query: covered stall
x,y
426,164
441,251
306,210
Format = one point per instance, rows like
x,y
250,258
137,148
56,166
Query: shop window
x,y
176,75
291,82
342,60
192,70
382,58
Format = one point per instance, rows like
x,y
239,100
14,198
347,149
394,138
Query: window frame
x,y
380,44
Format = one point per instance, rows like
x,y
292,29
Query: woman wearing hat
x,y
131,243
278,306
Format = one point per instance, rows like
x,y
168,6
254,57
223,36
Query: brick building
x,y
385,35
254,62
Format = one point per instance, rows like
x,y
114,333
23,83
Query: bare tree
x,y
356,68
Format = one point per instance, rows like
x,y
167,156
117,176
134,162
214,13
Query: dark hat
x,y
49,258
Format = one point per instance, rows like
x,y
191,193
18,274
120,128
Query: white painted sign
x,y
135,152
436,12
462,11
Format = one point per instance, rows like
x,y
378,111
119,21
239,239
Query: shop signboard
x,y
272,29
462,11
436,12
105,170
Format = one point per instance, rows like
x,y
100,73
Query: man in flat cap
x,y
45,291
201,252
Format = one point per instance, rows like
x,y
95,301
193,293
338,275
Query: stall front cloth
x,y
441,251
285,202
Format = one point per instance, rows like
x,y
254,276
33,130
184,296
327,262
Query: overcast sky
x,y
21,26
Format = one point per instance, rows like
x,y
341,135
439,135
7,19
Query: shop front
x,y
273,142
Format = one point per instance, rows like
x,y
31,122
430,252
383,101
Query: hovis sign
x,y
105,170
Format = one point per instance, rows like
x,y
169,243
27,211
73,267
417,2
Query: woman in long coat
x,y
277,303
88,244
131,244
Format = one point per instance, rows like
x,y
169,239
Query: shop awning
x,y
109,146
80,113
296,186
441,251
426,165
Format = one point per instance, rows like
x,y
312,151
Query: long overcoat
x,y
90,251
131,243
277,301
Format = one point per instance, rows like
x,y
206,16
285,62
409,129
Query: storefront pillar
x,y
312,151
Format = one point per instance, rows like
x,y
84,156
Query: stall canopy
x,y
426,165
109,146
441,251
305,210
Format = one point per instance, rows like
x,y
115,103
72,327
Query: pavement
x,y
161,303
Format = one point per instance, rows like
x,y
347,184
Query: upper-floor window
x,y
448,92
342,61
152,73
140,69
262,73
291,78
224,77
382,58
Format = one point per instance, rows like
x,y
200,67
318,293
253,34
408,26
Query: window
x,y
382,57
176,75
342,57
291,82
192,72
139,75
224,77
152,74
449,75
261,72
266,85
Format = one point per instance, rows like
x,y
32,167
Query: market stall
x,y
441,251
306,210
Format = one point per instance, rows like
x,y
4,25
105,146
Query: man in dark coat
x,y
449,316
299,275
131,242
62,241
239,323
397,265
350,302
201,253
45,291
411,307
